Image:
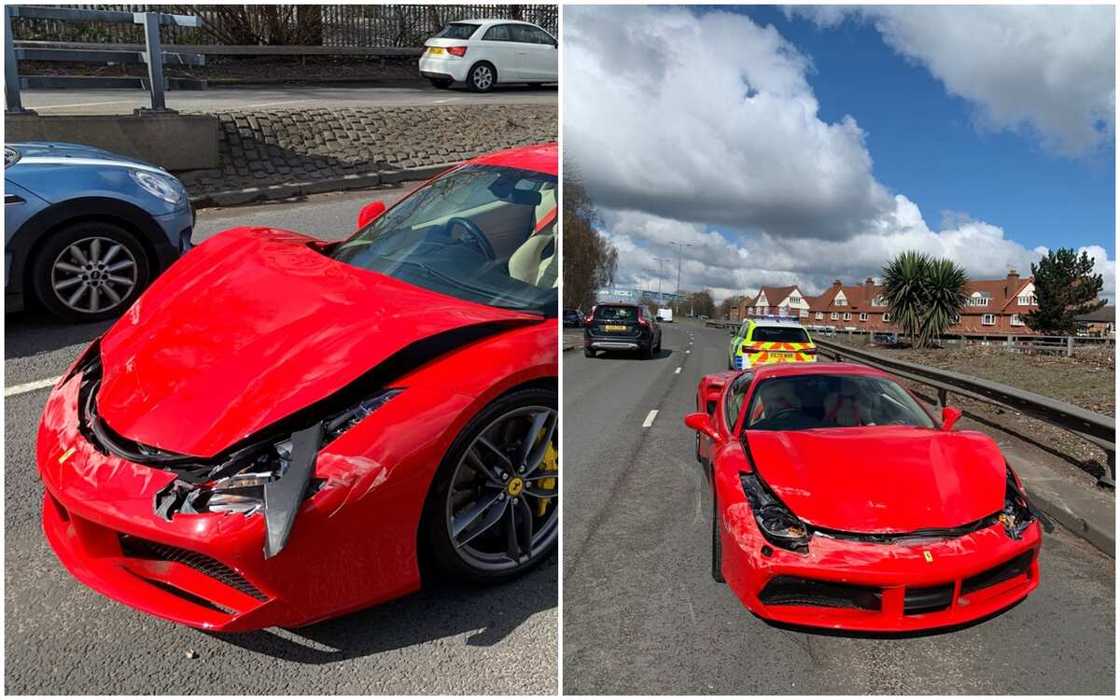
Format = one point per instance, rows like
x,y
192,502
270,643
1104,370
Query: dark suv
x,y
621,327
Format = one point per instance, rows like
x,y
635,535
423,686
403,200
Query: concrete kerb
x,y
357,181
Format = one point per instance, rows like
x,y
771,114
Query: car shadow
x,y
33,331
488,614
622,355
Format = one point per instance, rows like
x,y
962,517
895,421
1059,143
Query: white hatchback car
x,y
483,53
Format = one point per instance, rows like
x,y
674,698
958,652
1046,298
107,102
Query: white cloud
x,y
708,117
702,129
1049,70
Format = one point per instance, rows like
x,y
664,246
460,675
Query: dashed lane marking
x,y
650,418
678,370
30,386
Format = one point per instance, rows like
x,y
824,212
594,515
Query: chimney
x,y
1012,282
837,284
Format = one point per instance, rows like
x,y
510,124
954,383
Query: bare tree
x,y
590,261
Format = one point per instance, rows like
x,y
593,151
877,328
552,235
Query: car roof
x,y
788,369
488,22
540,158
775,323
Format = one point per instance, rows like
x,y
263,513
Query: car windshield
x,y
457,30
484,234
779,334
616,313
808,401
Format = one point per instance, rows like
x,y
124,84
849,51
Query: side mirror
x,y
702,423
370,212
949,417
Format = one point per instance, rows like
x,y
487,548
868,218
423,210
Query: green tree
x,y
590,261
924,295
945,297
1065,287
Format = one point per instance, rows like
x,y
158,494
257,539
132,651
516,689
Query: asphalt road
x,y
62,638
643,615
289,97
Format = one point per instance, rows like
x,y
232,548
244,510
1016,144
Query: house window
x,y
820,315
979,299
954,319
879,301
863,315
835,315
847,316
1016,320
988,320
804,313
794,299
1027,300
886,317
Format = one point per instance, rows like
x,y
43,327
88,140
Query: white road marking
x,y
30,386
276,104
82,104
650,418
687,352
678,370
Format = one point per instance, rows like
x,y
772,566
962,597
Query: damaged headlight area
x,y
777,523
241,483
270,477
1018,511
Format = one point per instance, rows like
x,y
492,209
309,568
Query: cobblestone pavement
x,y
260,148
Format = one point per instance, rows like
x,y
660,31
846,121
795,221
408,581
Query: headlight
x,y
164,187
272,478
1017,511
778,525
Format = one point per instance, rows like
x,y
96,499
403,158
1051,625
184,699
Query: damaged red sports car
x,y
283,429
839,502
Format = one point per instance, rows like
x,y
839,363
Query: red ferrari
x,y
283,429
841,503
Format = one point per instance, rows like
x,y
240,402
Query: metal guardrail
x,y
1094,427
151,53
198,52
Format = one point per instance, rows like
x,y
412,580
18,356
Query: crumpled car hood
x,y
252,326
882,479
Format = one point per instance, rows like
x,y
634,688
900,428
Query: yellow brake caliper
x,y
549,465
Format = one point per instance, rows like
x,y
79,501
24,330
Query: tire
x,y
482,77
647,351
717,545
588,352
107,285
441,83
465,562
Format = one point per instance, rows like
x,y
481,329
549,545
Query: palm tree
x,y
945,296
904,289
924,295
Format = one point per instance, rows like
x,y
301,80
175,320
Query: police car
x,y
767,340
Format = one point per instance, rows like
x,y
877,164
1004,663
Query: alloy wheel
x,y
482,77
503,502
93,274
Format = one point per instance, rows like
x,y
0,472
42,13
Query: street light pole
x,y
680,251
661,273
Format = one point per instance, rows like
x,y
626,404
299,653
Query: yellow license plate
x,y
435,50
611,328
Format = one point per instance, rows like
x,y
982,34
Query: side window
x,y
733,401
540,36
743,330
499,32
522,34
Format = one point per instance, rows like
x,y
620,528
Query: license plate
x,y
435,50
611,328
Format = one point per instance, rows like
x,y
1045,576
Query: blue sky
x,y
802,145
925,143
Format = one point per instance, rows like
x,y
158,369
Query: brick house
x,y
994,307
773,301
